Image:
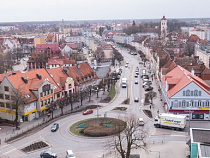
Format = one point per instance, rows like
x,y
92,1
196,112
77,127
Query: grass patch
x,y
98,127
112,92
78,131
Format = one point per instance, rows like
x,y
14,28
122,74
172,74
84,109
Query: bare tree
x,y
18,99
132,137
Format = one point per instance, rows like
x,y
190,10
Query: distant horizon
x,y
168,18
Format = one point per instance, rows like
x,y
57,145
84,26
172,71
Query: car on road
x,y
70,154
132,53
54,127
126,65
136,99
141,62
141,122
136,75
148,88
48,154
88,111
136,81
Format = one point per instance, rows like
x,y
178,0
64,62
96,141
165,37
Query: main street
x,y
63,140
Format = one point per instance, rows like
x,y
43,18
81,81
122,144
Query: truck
x,y
165,120
124,82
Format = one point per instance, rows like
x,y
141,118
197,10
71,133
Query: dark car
x,y
148,88
88,111
54,127
48,154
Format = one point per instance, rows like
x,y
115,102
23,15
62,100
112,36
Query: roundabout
x,y
98,127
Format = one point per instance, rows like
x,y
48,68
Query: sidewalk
x,y
157,102
25,126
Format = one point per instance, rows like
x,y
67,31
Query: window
x,y
207,103
183,93
196,93
183,103
13,106
191,93
191,103
176,103
42,104
199,93
199,103
6,88
188,93
1,96
7,97
58,95
2,104
41,94
8,105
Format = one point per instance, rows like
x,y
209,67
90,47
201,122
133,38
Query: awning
x,y
44,108
29,112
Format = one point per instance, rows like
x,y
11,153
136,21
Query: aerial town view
x,y
105,79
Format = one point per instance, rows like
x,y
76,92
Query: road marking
x,y
8,151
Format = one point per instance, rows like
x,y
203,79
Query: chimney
x,y
78,66
193,71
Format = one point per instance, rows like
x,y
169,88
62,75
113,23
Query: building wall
x,y
203,56
39,41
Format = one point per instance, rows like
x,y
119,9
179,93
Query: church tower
x,y
163,27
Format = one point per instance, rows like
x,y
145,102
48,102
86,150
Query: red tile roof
x,y
7,74
58,75
60,62
82,73
181,78
53,47
33,82
72,45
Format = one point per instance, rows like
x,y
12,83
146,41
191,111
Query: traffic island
x,y
35,146
98,127
120,108
148,113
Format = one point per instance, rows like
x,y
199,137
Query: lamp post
x,y
156,152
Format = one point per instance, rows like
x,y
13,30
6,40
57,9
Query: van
x,y
70,154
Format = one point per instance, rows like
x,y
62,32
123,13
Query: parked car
x,y
54,127
141,62
148,88
136,81
70,154
136,99
136,75
48,154
146,83
126,65
145,77
141,122
88,111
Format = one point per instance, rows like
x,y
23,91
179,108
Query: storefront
x,y
193,114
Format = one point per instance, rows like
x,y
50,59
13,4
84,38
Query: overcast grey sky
x,y
50,10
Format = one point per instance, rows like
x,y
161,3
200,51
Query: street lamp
x,y
156,152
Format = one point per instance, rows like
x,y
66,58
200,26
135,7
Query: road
x,y
63,140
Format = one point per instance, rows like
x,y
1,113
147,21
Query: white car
x,y
141,122
126,65
136,99
70,154
136,81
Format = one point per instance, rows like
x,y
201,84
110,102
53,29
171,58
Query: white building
x,y
74,39
201,33
185,94
123,38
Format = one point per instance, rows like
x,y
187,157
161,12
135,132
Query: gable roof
x,y
181,78
33,82
58,75
82,71
8,74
